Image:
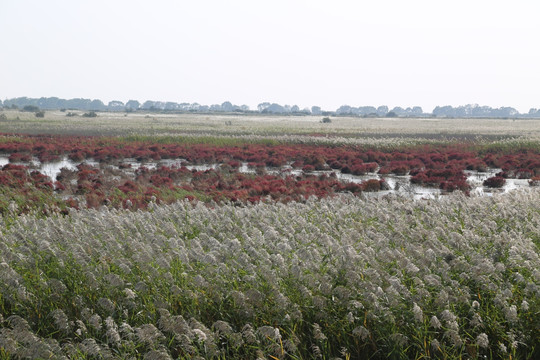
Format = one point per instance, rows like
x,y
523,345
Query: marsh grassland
x,y
163,124
180,236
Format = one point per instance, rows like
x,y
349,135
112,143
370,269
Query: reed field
x,y
190,236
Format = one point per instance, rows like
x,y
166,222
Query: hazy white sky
x,y
326,53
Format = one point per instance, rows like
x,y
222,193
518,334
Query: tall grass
x,y
339,278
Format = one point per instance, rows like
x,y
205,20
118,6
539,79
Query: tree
x,y
344,110
382,110
227,106
97,105
51,103
263,106
447,111
148,105
398,110
79,104
115,105
275,108
133,105
417,110
366,110
170,105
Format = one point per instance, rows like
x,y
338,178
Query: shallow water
x,y
51,169
397,184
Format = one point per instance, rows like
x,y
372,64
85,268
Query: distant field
x,y
56,122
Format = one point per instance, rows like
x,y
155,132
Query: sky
x,y
295,52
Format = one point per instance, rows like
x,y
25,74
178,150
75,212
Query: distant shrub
x,y
535,181
30,108
90,114
3,117
40,114
495,182
371,185
71,114
326,120
455,184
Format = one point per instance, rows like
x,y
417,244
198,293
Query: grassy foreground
x,y
342,278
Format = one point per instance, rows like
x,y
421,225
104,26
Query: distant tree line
x,y
476,111
380,111
471,110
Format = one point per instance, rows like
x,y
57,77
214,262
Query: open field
x,y
112,124
257,237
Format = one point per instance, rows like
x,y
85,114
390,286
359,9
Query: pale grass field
x,y
56,122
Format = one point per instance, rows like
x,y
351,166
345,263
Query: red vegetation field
x,y
442,167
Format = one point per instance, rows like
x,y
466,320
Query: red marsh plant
x,y
495,182
534,181
22,191
441,167
110,149
447,179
